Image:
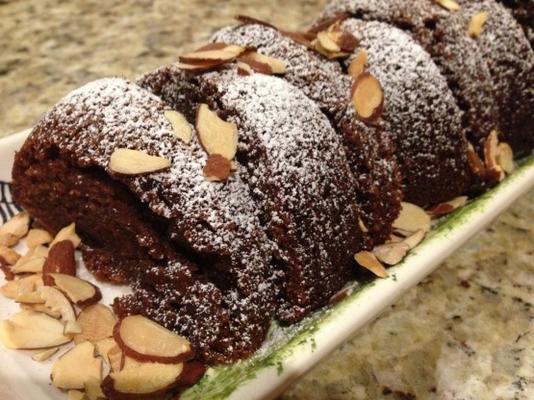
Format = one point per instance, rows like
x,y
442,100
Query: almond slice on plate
x,y
14,229
391,253
78,291
164,346
30,298
60,260
216,136
491,150
116,358
29,264
476,24
57,302
439,210
45,354
450,5
40,308
147,379
97,322
182,129
76,395
67,233
475,163
367,97
213,52
505,157
25,285
357,65
135,162
217,168
74,368
93,390
103,347
369,261
200,66
32,330
9,255
415,238
37,237
412,218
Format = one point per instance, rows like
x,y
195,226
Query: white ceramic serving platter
x,y
289,352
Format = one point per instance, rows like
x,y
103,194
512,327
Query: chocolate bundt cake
x,y
510,60
193,250
480,83
296,170
419,111
369,149
523,12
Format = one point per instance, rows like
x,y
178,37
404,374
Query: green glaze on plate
x,y
283,342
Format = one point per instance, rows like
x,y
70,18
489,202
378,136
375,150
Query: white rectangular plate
x,y
288,352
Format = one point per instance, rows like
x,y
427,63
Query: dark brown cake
x,y
482,74
369,149
419,111
221,297
296,170
510,60
523,12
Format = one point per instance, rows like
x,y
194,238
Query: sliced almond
x,y
103,347
369,261
367,97
15,288
31,298
135,162
357,65
39,307
57,302
97,322
182,129
412,218
31,330
476,25
164,347
67,233
450,5
200,66
414,239
38,237
14,229
76,395
217,52
45,355
275,65
491,149
328,42
60,260
93,391
217,168
115,358
445,208
147,379
362,226
217,136
244,69
31,264
73,369
9,255
475,163
318,47
78,291
391,253
505,157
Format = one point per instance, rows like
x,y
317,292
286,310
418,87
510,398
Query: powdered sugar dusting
x,y
212,219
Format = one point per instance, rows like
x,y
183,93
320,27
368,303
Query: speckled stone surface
x,y
465,333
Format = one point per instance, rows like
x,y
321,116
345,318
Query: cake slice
x,y
369,149
296,170
193,250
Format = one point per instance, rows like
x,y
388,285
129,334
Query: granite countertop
x,y
465,332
